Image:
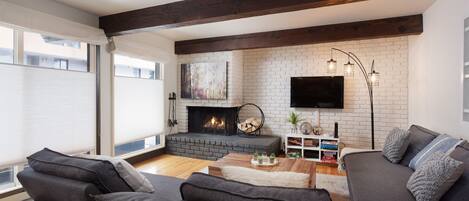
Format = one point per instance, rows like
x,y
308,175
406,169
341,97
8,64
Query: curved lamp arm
x,y
369,85
361,67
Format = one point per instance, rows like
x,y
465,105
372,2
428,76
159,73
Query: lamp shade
x,y
349,69
374,78
331,66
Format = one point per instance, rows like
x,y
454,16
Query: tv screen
x,y
317,92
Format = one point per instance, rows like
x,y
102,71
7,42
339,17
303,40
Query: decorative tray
x,y
264,163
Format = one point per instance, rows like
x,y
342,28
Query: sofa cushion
x,y
419,138
101,173
165,187
396,144
434,177
46,187
459,191
371,177
442,143
129,196
210,188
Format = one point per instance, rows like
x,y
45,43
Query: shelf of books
x,y
316,148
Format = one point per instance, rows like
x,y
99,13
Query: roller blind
x,y
139,109
45,108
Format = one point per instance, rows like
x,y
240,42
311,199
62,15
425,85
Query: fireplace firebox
x,y
212,120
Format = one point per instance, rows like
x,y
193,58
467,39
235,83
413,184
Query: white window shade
x,y
45,108
29,19
139,109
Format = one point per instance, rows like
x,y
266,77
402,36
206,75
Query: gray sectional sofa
x,y
371,177
45,186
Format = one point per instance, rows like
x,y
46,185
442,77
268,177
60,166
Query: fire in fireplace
x,y
213,120
215,123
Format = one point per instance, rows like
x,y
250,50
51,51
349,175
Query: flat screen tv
x,y
317,92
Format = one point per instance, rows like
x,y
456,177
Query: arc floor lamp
x,y
370,78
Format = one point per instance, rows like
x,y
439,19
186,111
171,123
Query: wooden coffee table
x,y
285,165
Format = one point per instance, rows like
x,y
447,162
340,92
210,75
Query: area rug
x,y
336,185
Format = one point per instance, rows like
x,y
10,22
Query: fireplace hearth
x,y
213,133
212,120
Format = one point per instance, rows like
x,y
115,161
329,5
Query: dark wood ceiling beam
x,y
193,12
381,28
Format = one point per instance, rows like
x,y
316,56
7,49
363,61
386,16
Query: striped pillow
x,y
443,143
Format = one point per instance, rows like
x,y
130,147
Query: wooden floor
x,y
182,167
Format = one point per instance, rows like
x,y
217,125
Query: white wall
x,y
436,66
264,76
267,75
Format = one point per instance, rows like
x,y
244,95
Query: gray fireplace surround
x,y
213,147
212,144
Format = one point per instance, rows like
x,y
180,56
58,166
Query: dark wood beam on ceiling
x,y
193,12
381,28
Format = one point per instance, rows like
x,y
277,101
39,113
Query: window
x,y
37,50
138,113
51,52
6,45
136,68
6,178
147,143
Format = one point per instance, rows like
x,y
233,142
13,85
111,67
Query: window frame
x,y
14,44
19,52
141,151
16,168
158,67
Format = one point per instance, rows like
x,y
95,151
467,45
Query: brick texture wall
x,y
267,75
262,76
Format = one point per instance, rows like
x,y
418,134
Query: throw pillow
x,y
136,181
396,144
442,143
435,177
101,173
263,178
205,187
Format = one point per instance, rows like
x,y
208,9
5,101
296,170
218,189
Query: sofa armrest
x,y
43,187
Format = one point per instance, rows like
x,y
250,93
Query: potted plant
x,y
255,156
294,119
272,158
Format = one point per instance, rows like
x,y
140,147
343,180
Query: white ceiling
x,y
107,7
366,10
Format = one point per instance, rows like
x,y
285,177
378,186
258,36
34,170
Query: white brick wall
x,y
266,76
235,82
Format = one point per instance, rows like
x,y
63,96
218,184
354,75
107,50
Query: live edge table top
x,y
285,165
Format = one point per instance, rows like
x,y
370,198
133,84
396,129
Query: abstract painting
x,y
204,81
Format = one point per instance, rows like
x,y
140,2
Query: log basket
x,y
257,131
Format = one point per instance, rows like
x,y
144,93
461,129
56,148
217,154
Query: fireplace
x,y
212,120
